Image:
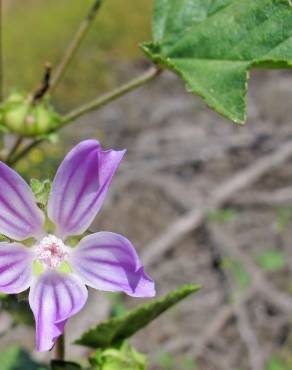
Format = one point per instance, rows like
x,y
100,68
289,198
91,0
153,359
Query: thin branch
x,y
109,97
75,43
266,287
45,84
192,219
100,102
249,338
24,152
14,149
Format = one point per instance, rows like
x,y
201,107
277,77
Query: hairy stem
x,y
109,97
74,45
60,348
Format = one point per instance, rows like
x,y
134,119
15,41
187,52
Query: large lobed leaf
x,y
212,45
115,330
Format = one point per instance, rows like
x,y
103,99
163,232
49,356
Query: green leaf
x,y
126,358
64,365
113,331
272,260
212,45
18,308
15,358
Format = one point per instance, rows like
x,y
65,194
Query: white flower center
x,y
51,251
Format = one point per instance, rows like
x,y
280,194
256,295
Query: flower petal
x,y
53,298
80,186
20,217
15,268
108,261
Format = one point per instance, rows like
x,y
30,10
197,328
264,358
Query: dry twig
x,y
177,230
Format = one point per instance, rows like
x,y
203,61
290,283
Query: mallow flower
x,y
56,273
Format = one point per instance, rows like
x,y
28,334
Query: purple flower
x,y
57,274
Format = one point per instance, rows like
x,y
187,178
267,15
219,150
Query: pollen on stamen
x,y
51,251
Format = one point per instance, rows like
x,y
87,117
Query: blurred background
x,y
179,152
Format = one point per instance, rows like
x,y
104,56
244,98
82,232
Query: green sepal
x,y
41,190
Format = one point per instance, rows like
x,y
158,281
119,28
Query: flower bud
x,y
21,116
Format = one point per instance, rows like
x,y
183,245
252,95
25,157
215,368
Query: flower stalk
x,y
60,348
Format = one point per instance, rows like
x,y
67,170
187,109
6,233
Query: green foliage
x,y
222,216
126,358
240,275
278,363
64,365
167,361
41,190
18,308
271,260
14,358
212,45
283,217
113,331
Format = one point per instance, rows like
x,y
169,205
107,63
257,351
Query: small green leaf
x,y
63,365
213,44
272,260
126,358
113,331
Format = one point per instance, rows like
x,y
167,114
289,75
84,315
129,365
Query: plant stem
x,y
14,149
74,45
12,161
109,97
94,105
60,348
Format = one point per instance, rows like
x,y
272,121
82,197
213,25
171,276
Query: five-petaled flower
x,y
102,260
